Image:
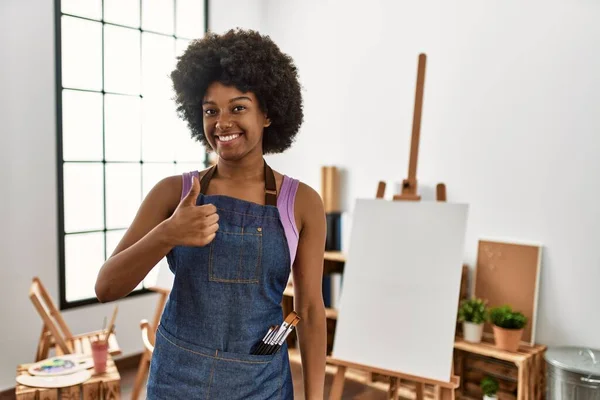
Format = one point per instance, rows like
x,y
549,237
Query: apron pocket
x,y
185,370
246,376
235,255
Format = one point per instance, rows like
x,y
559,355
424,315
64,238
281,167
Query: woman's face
x,y
233,122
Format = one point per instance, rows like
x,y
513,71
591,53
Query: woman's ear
x,y
267,122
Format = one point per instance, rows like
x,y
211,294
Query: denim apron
x,y
225,297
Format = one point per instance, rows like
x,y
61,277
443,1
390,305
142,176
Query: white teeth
x,y
228,138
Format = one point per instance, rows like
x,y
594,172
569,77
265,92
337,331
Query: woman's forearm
x,y
122,272
312,337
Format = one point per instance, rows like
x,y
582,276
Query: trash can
x,y
573,373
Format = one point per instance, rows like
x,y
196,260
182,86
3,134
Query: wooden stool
x,y
106,386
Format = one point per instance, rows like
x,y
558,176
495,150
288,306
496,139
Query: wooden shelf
x,y
334,262
336,256
489,349
521,374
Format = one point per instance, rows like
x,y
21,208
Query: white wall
x,y
28,222
510,122
228,14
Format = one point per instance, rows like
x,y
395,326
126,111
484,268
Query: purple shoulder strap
x,y
187,182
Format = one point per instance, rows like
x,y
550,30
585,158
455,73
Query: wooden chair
x,y
144,366
55,332
148,339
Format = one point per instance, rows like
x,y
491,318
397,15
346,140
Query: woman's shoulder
x,y
308,205
174,187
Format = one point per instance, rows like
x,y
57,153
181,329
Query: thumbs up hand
x,y
192,225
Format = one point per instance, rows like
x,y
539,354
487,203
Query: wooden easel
x,y
441,390
409,185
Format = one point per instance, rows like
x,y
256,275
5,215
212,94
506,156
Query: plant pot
x,y
507,339
472,332
486,397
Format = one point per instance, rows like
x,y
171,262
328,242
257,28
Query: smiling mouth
x,y
228,138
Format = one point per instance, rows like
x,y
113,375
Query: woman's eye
x,y
209,112
239,108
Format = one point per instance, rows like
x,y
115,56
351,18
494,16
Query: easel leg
x,y
447,394
43,345
337,387
394,386
419,391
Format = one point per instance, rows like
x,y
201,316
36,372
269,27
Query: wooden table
x,y
522,371
106,386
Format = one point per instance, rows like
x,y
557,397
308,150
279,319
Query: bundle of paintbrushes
x,y
276,336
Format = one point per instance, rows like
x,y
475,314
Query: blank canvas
x,y
401,284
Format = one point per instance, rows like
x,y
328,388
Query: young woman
x,y
231,234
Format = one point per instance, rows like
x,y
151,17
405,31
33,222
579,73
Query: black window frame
x,y
63,303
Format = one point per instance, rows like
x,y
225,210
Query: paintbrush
x,y
112,323
112,328
276,345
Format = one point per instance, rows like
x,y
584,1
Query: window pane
x,y
83,196
161,268
190,18
121,60
123,194
158,16
84,256
158,60
123,12
81,54
157,138
82,126
187,149
180,46
112,240
123,132
153,173
83,8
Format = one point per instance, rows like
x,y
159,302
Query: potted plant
x,y
489,387
508,327
472,313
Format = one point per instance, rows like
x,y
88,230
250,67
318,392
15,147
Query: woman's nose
x,y
224,123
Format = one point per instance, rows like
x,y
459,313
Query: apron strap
x,y
206,179
270,187
270,184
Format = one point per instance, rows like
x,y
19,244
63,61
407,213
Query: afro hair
x,y
251,62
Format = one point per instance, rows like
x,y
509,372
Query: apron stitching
x,y
213,357
212,371
240,234
247,214
259,261
234,280
281,380
241,255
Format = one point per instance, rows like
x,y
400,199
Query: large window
x,y
118,132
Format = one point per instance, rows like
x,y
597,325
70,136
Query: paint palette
x,y
54,381
61,365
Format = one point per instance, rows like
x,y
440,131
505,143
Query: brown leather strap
x,y
270,184
206,179
270,187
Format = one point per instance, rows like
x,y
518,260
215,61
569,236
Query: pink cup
x,y
100,354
